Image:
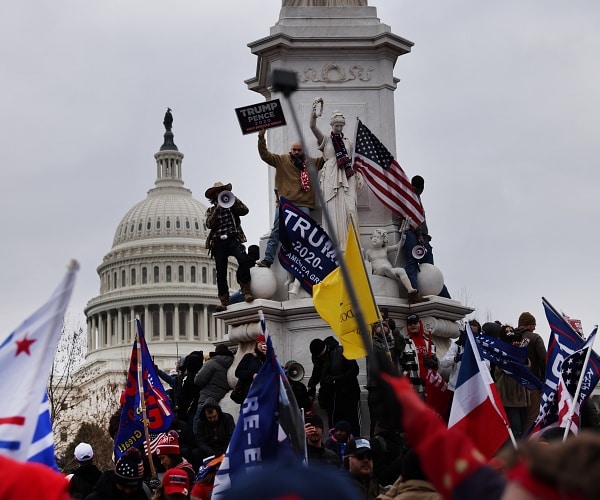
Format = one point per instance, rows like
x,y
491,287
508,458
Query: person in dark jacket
x,y
339,392
214,429
212,378
187,403
315,450
169,453
84,477
339,437
251,363
125,482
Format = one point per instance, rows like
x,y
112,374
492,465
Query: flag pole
x,y
140,380
577,392
360,318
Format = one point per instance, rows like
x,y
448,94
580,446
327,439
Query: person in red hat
x,y
175,486
205,480
167,449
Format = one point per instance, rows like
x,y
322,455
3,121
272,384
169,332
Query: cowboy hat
x,y
212,192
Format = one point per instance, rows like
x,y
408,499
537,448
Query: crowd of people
x,y
408,452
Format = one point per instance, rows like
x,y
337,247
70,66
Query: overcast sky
x,y
498,109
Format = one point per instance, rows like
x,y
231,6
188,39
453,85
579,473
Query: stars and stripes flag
x,y
564,341
26,358
511,358
581,366
385,177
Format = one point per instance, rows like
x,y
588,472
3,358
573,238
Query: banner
x,y
306,250
259,116
158,408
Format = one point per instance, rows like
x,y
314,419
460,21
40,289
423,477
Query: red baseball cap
x,y
176,481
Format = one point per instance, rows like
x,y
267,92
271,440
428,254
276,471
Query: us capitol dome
x,y
158,269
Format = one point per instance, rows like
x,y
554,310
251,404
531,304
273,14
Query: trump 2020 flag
x,y
26,357
476,408
131,431
332,300
579,375
306,250
564,341
264,428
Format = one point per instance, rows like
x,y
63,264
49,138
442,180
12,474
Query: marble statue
x,y
338,180
377,255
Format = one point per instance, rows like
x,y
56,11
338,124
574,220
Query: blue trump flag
x,y
270,426
564,341
306,250
159,414
511,358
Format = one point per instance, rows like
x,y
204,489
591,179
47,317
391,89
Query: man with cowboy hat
x,y
226,238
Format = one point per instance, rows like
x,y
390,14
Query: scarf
x,y
341,155
421,350
300,163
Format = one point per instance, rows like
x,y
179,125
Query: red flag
x,y
385,177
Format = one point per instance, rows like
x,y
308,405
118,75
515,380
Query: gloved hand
x,y
328,379
458,357
431,362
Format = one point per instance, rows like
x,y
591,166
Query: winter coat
x,y
336,375
212,378
83,480
322,455
413,489
212,439
512,394
536,352
106,489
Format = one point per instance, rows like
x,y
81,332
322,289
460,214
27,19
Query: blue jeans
x,y
273,241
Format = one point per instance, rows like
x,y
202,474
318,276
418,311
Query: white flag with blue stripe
x,y
26,357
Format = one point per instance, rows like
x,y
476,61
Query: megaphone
x,y
294,370
225,199
418,252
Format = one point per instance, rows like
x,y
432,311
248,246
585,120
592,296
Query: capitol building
x,y
158,270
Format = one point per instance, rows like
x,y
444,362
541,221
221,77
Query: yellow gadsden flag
x,y
332,301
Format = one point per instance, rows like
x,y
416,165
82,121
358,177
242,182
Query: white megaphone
x,y
225,199
418,252
294,370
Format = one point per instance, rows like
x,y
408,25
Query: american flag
x,y
385,176
564,341
512,359
571,372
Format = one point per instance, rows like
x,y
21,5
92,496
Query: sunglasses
x,y
361,456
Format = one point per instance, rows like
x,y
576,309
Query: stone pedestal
x,y
345,56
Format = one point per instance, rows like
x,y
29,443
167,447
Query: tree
x,y
101,443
